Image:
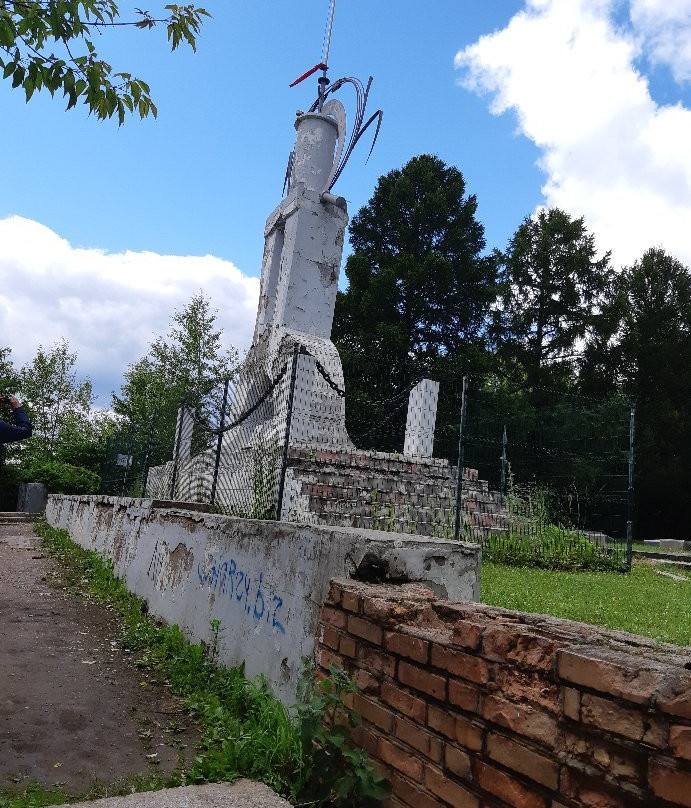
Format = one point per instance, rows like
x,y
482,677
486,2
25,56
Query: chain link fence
x,y
546,476
550,475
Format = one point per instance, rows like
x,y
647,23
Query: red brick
x,y
468,734
519,646
674,697
407,646
375,661
412,795
606,671
404,702
406,763
523,760
442,721
468,634
507,788
365,739
334,617
348,646
463,695
327,658
680,741
366,682
415,736
589,792
669,783
420,679
448,790
392,802
610,717
572,703
394,611
615,759
350,601
330,637
518,685
455,727
374,713
460,664
521,718
334,596
457,761
364,629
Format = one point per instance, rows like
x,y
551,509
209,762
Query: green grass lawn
x,y
641,601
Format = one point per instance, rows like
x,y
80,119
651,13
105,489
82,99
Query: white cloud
x,y
108,306
665,26
609,151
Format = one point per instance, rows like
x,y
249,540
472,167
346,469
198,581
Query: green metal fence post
x,y
459,475
629,497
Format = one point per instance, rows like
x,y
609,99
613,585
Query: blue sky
x,y
581,103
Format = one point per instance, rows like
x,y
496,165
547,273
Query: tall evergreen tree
x,y
419,286
552,289
645,349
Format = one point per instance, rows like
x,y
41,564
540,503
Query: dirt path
x,y
73,708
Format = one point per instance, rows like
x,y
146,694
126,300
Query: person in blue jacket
x,y
20,429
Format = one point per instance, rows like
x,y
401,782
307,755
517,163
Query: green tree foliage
x,y
66,449
185,365
49,45
644,348
552,288
419,287
58,403
9,379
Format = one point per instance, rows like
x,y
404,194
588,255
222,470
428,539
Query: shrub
x,y
60,478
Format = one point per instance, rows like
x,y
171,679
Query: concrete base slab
x,y
243,794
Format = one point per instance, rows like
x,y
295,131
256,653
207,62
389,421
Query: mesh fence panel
x,y
547,475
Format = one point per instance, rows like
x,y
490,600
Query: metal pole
x,y
286,440
502,482
128,461
104,464
459,474
629,497
174,479
219,443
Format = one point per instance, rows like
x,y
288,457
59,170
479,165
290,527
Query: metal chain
x,y
332,384
244,415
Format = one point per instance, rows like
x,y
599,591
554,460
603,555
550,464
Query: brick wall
x,y
470,706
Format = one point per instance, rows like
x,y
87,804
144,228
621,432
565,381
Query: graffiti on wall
x,y
244,589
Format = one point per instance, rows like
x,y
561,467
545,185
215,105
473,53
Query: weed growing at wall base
x,y
246,732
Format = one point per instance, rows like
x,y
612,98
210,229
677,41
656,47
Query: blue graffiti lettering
x,y
241,587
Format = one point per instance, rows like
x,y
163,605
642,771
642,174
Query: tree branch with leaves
x,y
48,45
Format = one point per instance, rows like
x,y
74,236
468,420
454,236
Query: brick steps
x,y
387,492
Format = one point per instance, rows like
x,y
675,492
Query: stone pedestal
x,y
32,498
422,418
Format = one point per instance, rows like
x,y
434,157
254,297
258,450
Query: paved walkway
x,y
73,707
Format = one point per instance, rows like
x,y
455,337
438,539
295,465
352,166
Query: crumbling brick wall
x,y
471,706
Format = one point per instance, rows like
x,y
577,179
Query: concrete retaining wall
x,y
265,581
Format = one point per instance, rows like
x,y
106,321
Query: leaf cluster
x,y
49,45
